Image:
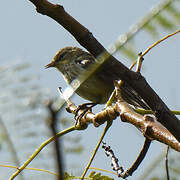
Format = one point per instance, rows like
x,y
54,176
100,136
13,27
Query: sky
x,y
27,36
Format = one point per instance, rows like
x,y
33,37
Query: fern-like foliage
x,y
164,16
98,176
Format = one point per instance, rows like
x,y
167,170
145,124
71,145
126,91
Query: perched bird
x,y
73,62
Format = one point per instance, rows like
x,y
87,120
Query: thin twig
x,y
108,125
139,159
144,111
114,160
141,55
157,42
57,142
111,98
166,164
152,166
30,168
44,144
139,62
11,147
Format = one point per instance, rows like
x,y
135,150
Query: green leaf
x,y
68,177
97,176
164,22
129,52
151,29
174,12
92,174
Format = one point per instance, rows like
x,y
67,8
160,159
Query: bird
x,y
73,62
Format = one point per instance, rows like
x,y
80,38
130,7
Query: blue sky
x,y
27,36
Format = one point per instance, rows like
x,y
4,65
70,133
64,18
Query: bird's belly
x,y
94,90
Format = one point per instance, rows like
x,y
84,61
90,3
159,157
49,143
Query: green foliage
x,y
68,177
164,22
129,52
151,29
76,150
173,11
97,176
165,15
93,176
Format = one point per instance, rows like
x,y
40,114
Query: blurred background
x,y
30,40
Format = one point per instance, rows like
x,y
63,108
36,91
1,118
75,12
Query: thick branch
x,y
135,80
148,126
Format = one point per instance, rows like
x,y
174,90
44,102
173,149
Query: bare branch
x,y
57,142
148,125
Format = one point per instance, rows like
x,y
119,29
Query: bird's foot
x,y
84,108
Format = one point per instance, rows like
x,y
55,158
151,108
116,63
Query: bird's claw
x,y
84,108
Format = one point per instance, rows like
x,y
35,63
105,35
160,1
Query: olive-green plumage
x,y
72,62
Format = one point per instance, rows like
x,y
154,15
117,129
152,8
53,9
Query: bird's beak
x,y
51,64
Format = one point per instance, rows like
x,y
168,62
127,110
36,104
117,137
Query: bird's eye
x,y
61,56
